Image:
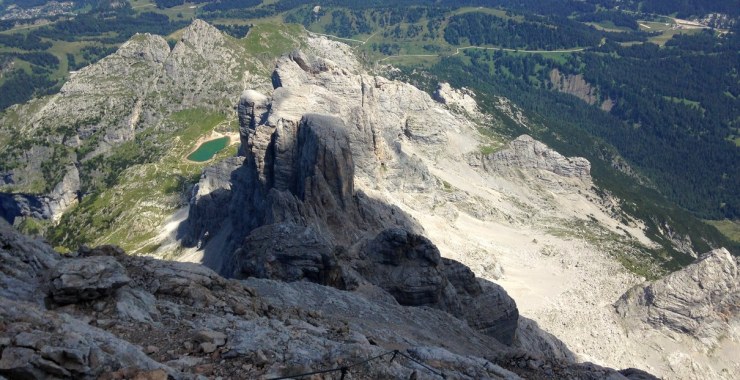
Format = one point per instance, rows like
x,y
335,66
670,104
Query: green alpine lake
x,y
208,149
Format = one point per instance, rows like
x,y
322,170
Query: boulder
x,y
84,279
23,263
136,305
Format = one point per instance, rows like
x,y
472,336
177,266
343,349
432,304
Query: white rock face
x,y
700,300
527,153
462,98
64,195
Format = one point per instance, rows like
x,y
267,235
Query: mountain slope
x,y
128,97
331,157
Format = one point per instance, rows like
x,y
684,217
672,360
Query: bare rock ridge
x,y
101,314
462,99
701,300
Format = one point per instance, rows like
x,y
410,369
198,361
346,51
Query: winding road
x,y
457,50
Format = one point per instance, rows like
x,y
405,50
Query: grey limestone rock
x,y
137,305
293,212
527,153
575,85
287,252
183,321
530,337
65,347
252,111
209,201
210,336
491,312
76,280
462,99
50,206
23,263
701,300
410,268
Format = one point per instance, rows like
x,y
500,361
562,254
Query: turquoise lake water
x,y
208,149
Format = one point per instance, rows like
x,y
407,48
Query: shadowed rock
x,y
409,267
286,252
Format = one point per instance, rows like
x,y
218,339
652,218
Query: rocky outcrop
x,y
13,206
252,111
574,85
287,140
44,207
294,214
577,86
199,324
301,219
23,263
701,300
74,281
462,99
409,267
300,173
286,252
527,153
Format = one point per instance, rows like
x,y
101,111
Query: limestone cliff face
x,y
293,204
527,153
576,85
50,206
701,300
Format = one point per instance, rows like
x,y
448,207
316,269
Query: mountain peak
x,y
149,47
202,35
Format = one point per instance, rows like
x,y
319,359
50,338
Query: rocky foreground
x,y
99,313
